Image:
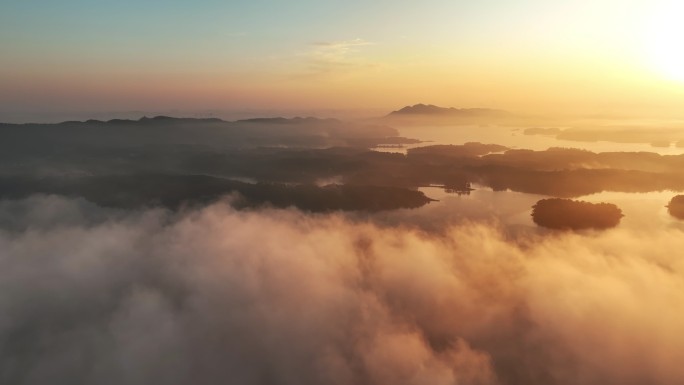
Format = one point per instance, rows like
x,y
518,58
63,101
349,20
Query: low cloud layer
x,y
216,296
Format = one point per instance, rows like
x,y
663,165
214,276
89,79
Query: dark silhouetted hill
x,y
432,110
211,133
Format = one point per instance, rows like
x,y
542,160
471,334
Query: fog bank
x,y
217,296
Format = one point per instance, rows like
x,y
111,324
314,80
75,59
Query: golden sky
x,y
529,55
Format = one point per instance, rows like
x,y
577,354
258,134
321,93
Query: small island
x,y
566,214
676,207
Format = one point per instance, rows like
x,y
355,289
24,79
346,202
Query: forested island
x,y
676,207
566,214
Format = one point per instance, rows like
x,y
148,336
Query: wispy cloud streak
x,y
336,57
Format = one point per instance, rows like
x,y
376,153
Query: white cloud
x,y
216,296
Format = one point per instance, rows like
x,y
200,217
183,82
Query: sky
x,y
525,55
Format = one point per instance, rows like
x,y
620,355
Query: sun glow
x,y
665,40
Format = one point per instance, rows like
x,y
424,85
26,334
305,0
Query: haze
x,y
341,192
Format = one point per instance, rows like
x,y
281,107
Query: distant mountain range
x,y
165,120
432,110
210,132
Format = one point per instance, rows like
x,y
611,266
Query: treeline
x,y
174,191
567,214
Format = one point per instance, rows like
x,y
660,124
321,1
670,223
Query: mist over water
x,y
214,295
511,208
514,136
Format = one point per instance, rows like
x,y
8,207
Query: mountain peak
x,y
421,109
431,109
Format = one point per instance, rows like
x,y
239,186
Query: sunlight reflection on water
x,y
514,208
